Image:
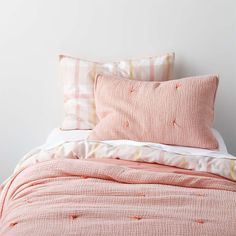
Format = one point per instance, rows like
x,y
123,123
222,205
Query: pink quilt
x,y
70,196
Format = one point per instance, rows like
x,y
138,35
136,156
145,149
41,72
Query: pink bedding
x,y
64,196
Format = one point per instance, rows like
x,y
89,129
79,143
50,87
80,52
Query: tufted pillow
x,y
177,112
78,80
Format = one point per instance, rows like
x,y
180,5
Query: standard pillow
x,y
78,78
178,112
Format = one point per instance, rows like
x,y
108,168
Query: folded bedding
x,y
102,188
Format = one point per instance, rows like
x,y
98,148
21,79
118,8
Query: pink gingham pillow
x,y
78,81
177,112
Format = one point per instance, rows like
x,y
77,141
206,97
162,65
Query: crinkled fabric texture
x,y
80,188
78,78
79,197
178,112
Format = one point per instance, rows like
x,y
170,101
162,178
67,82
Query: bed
x,y
132,157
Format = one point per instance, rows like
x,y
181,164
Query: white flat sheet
x,y
58,137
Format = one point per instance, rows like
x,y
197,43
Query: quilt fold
x,y
91,188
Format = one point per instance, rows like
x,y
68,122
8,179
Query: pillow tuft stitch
x,y
177,112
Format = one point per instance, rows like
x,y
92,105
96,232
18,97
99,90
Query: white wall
x,y
34,32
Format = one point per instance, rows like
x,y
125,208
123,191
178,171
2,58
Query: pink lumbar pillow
x,y
177,112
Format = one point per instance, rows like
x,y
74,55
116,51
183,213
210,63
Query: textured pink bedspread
x,y
82,197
